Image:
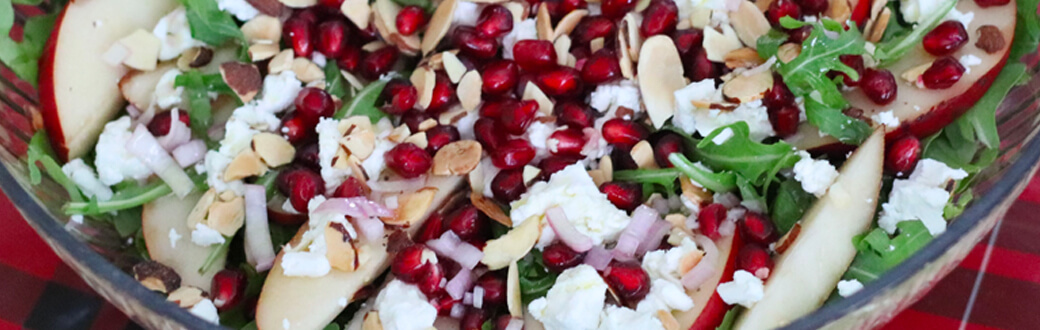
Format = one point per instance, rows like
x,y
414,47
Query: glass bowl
x,y
102,258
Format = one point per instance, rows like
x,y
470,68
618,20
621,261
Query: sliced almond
x,y
763,5
424,80
598,177
839,10
607,166
519,9
688,261
629,28
357,11
399,133
624,59
272,8
700,17
185,296
543,23
568,22
457,158
452,116
260,52
532,92
227,216
418,139
319,84
508,248
530,173
354,124
596,44
339,250
469,90
439,25
195,57
660,75
273,149
245,165
911,75
718,44
743,58
513,301
198,213
643,154
281,62
489,208
427,124
695,194
306,71
749,23
668,321
298,3
748,88
372,321
143,47
384,18
412,206
676,219
263,29
641,5
373,46
361,143
880,24
453,67
562,47
788,52
352,80
476,179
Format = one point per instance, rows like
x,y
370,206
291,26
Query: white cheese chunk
x,y
205,310
240,8
744,290
113,162
87,181
849,287
402,306
203,235
575,301
922,196
525,30
816,176
174,34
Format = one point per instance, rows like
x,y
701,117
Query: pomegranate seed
x,y
410,20
332,38
601,67
297,129
401,96
334,4
558,257
307,155
567,6
493,108
616,9
227,288
494,21
349,58
367,34
313,103
628,279
307,15
625,195
554,164
623,133
758,228
667,144
499,77
879,86
813,7
432,229
494,288
160,124
444,303
902,155
622,160
430,283
350,187
699,67
780,8
778,96
853,61
471,43
508,185
990,3
785,120
413,118
468,223
755,259
710,217
799,35
593,27
300,35
409,265
943,73
574,115
443,95
512,154
946,38
300,184
534,55
473,319
379,62
408,160
660,17
561,81
688,40
488,133
568,142
516,118
439,136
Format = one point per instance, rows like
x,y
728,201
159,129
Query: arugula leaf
x,y
751,197
789,205
729,319
364,103
755,161
129,197
127,222
652,179
769,43
535,279
215,253
1027,30
717,182
878,253
197,88
23,57
211,25
335,84
332,326
891,50
834,122
39,153
487,325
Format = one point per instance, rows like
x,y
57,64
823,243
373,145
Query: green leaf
x,y
789,205
891,50
717,182
731,316
652,179
39,153
487,325
769,43
750,194
364,103
268,181
197,88
878,253
426,5
130,197
215,252
23,57
331,326
756,161
211,25
1027,30
127,222
335,84
833,122
535,279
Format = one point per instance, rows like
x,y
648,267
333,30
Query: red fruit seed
x,y
499,77
494,21
408,160
902,155
943,73
946,38
710,218
332,38
534,55
755,259
758,228
625,195
410,19
628,279
623,133
228,288
558,257
879,85
508,185
660,17
409,265
512,154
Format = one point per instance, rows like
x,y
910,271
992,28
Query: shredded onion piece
x,y
598,257
566,231
704,269
178,134
371,229
412,184
636,231
467,255
459,284
354,207
467,299
457,311
515,324
258,246
592,141
446,244
654,236
189,153
478,296
133,111
145,147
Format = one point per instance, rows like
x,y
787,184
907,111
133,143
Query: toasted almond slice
x,y
530,173
700,18
718,44
439,25
349,125
244,165
198,213
749,23
543,23
360,143
453,67
743,58
260,52
788,52
143,49
228,216
427,124
273,149
880,24
418,139
352,80
598,177
469,90
660,75
763,5
339,250
193,58
476,179
607,166
748,88
568,22
357,11
695,194
457,158
689,260
839,10
532,92
676,219
263,29
508,248
452,116
373,45
643,154
562,46
489,208
399,133
412,206
424,80
520,10
667,320
914,73
596,44
185,296
306,71
624,59
372,322
629,28
513,301
298,3
281,62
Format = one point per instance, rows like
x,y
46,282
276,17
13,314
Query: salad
x,y
516,164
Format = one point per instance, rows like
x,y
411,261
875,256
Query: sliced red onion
x,y
398,185
457,311
133,111
145,147
642,218
459,284
566,231
354,207
189,153
654,236
705,268
598,257
711,251
515,324
371,229
467,255
478,296
178,134
727,228
467,299
258,246
446,244
146,116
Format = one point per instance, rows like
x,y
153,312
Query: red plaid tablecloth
x,y
996,287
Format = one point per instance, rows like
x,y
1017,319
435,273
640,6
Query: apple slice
x,y
807,272
708,307
168,213
311,303
79,92
921,111
138,87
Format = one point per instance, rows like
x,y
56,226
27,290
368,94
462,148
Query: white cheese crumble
x,y
538,134
521,31
745,289
964,18
174,34
279,92
916,10
174,238
87,181
723,136
816,176
922,196
849,287
969,61
691,118
328,145
113,162
240,8
402,306
608,97
586,207
576,301
665,296
238,135
307,258
166,94
664,264
887,118
205,310
203,235
622,318
76,218
466,13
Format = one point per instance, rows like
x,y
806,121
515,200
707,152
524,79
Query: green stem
x,y
217,252
89,208
717,182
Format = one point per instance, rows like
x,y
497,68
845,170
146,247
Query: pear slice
x,y
807,272
170,212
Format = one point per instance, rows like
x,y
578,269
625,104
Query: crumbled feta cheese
x,y
305,264
166,94
87,181
723,136
964,18
575,301
402,306
745,289
203,235
328,144
922,196
174,34
664,264
238,135
279,92
608,97
816,176
916,10
521,31
969,61
205,310
307,257
886,118
691,118
240,8
113,162
174,238
665,296
538,134
702,91
465,125
623,318
466,13
729,200
250,115
585,206
849,287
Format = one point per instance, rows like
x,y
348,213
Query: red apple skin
x,y
49,108
860,13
